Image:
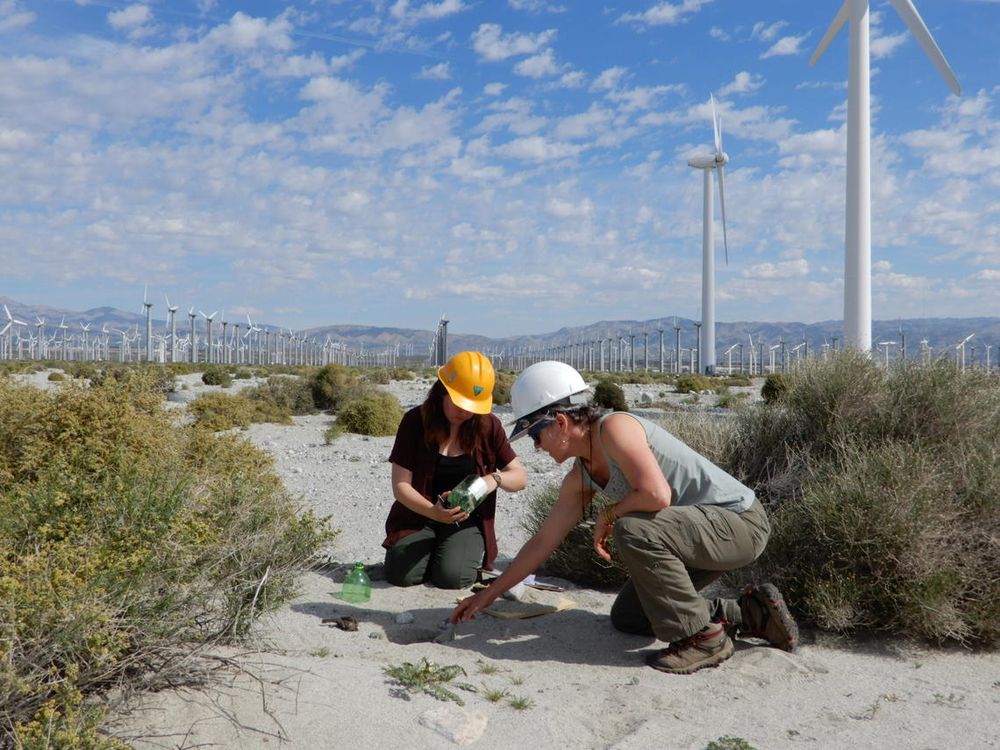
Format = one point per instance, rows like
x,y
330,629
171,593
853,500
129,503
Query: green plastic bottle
x,y
357,587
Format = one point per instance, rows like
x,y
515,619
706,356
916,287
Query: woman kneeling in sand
x,y
449,437
679,522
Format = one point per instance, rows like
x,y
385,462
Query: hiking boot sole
x,y
786,635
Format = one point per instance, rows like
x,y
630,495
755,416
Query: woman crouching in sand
x,y
679,522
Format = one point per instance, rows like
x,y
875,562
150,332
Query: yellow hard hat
x,y
469,378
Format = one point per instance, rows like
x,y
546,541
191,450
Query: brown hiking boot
x,y
709,647
765,616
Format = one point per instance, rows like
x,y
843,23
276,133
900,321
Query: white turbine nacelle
x,y
857,234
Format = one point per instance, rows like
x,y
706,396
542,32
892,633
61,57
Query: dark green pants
x,y
445,555
671,555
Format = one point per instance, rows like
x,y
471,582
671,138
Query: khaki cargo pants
x,y
674,553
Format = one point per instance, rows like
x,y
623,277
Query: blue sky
x,y
519,165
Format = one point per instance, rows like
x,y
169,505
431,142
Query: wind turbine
x,y
707,163
172,309
193,355
960,347
208,323
149,324
858,235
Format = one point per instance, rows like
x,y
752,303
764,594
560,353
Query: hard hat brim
x,y
476,407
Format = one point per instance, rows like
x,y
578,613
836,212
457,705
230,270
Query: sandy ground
x,y
578,682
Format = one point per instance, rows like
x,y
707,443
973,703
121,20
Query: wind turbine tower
x,y
149,324
172,309
707,163
193,355
858,235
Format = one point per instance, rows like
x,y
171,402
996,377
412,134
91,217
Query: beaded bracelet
x,y
610,516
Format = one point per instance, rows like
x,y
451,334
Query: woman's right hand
x,y
443,514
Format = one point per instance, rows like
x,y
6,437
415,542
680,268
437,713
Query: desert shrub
x,y
158,377
222,411
127,545
729,400
378,375
610,395
702,433
334,385
81,370
243,373
287,393
774,387
217,375
375,413
692,383
884,491
575,559
56,376
501,388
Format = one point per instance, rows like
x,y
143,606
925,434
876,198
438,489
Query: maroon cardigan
x,y
410,452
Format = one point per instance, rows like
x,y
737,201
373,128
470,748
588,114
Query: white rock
x,y
405,618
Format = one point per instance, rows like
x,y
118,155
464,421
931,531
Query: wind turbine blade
x,y
716,129
4,329
722,207
918,28
839,20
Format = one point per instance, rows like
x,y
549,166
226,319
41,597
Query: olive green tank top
x,y
693,479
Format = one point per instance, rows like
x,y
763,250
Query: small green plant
x,y
729,742
610,395
334,385
501,388
322,652
487,668
494,695
56,376
428,677
520,703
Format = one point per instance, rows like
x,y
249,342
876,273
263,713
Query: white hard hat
x,y
540,387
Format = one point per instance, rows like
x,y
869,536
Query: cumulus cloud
x,y
609,78
743,83
14,16
536,6
405,12
767,32
788,45
665,14
491,44
439,72
542,65
786,269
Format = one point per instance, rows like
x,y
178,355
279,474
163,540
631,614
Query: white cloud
x,y
439,72
542,65
716,33
609,78
13,16
767,32
884,46
537,6
564,209
493,45
664,13
786,269
243,33
135,20
430,11
743,83
537,149
494,89
788,45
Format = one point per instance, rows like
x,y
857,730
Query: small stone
x,y
405,618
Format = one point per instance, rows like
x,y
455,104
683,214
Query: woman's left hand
x,y
602,531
